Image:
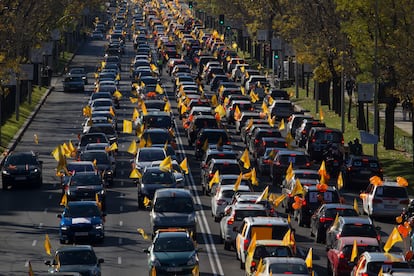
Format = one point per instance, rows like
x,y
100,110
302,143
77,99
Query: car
x,y
222,198
252,197
173,208
91,138
81,220
176,169
223,166
210,136
22,169
105,165
197,123
145,157
385,200
159,136
264,249
282,161
256,148
351,227
244,117
358,169
73,83
264,161
97,35
269,142
339,256
283,266
294,121
312,199
220,152
325,215
172,252
233,218
78,71
320,138
241,105
80,166
75,258
302,131
249,126
266,228
282,109
152,179
155,119
370,263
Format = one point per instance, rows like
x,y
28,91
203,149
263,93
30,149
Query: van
x,y
320,138
264,228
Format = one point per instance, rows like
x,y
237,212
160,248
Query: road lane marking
x,y
119,260
121,208
34,242
119,241
121,223
40,225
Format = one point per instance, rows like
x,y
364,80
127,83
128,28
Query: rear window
x,y
294,159
347,250
305,175
157,137
148,156
331,213
205,123
385,191
269,232
214,137
358,230
366,164
241,214
157,121
228,193
286,268
331,136
227,168
263,251
375,267
174,205
328,197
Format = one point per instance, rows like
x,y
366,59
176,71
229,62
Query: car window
x,y
331,213
328,197
241,214
375,267
358,230
109,130
147,156
227,193
347,250
100,157
157,177
287,268
77,257
263,251
273,232
174,205
21,159
85,180
385,191
82,211
177,244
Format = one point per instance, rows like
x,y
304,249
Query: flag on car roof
x,y
135,174
392,239
264,195
245,159
308,259
238,182
166,164
354,253
215,179
184,165
47,245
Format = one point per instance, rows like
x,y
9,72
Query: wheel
x,y
227,246
217,219
318,238
329,268
300,219
140,203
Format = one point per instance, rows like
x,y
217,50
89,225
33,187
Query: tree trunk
x,y
361,123
324,93
389,123
336,94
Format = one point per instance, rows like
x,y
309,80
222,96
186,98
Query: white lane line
x,y
120,241
121,223
34,242
119,260
207,235
41,225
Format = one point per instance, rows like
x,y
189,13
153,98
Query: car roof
x,y
391,184
382,257
230,187
285,260
314,188
74,247
224,161
289,152
172,192
81,203
360,240
352,220
248,206
337,205
266,220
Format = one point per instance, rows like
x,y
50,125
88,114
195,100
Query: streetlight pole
x,y
376,111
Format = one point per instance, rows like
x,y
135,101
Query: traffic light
x,y
221,19
190,4
228,28
276,56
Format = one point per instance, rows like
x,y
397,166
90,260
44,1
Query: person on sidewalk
x,y
407,107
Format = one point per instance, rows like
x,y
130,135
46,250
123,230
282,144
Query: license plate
x,y
20,178
81,234
174,269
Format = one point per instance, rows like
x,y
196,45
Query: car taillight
x,y
313,140
338,236
303,132
349,169
66,187
246,244
405,201
210,175
376,200
323,219
228,143
253,265
342,255
308,164
198,142
304,202
272,211
378,237
277,163
230,221
256,141
267,161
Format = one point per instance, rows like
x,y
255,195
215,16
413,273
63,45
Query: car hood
x,y
17,169
78,268
171,258
172,218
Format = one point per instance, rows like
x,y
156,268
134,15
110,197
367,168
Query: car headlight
x,y
98,226
5,172
102,192
193,260
36,170
64,228
108,172
155,262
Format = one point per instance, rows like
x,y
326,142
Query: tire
x,y
300,219
140,203
227,246
329,268
318,237
217,219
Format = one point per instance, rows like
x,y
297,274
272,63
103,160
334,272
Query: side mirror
x,y
47,263
378,228
146,251
59,216
100,261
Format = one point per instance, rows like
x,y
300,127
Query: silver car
x,y
233,219
222,198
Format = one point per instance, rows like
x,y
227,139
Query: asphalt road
x,y
27,215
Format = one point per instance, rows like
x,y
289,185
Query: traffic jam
x,y
227,175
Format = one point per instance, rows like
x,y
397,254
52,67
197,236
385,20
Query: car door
x,y
331,235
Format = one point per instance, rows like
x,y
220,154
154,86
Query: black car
x,y
104,163
91,138
209,136
199,122
325,215
77,258
358,169
22,168
85,186
282,161
73,83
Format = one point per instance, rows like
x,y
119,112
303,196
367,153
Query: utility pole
x,y
376,111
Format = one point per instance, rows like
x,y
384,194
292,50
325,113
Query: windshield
x,y
21,159
82,211
88,139
174,205
77,257
158,177
359,230
176,244
241,214
398,192
85,180
151,155
80,167
109,130
100,157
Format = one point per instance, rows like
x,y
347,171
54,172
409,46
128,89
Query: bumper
x,y
21,180
93,235
176,270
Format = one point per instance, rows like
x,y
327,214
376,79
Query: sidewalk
x,y
403,125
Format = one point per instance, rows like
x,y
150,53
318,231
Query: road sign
x,y
262,35
366,92
276,44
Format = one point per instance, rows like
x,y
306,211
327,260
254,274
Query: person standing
x,y
406,104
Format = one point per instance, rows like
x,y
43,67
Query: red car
x,y
340,254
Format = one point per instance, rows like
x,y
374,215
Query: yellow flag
x,y
253,178
36,139
214,101
184,165
242,69
287,238
253,97
166,164
220,111
183,109
64,200
117,95
354,253
135,114
98,202
289,219
153,67
31,273
392,239
245,159
259,267
243,90
336,220
133,100
381,272
279,200
308,259
132,149
265,109
252,246
282,125
72,148
143,234
340,181
159,89
48,246
196,271
55,153
271,120
289,139
321,115
87,111
135,174
215,179
298,189
65,150
95,163
142,143
149,142
289,171
237,113
127,126
144,109
270,100
264,195
356,205
167,107
205,145
249,124
238,181
147,202
111,111
322,169
140,130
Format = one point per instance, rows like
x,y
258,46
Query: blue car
x,y
81,220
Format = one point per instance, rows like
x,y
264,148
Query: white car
x,y
222,198
283,266
384,200
370,263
